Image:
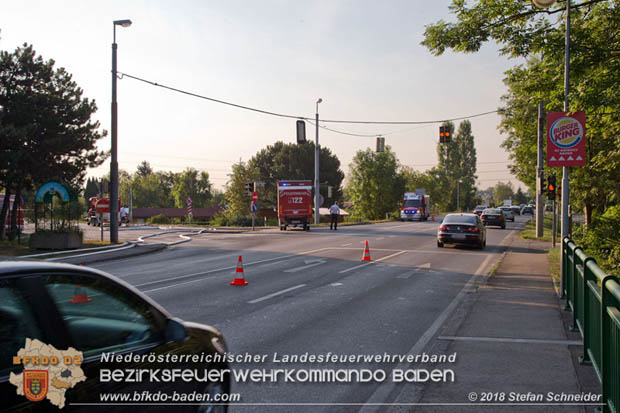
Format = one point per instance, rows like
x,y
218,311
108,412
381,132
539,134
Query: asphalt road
x,y
309,292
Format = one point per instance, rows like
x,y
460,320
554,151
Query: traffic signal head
x,y
301,131
551,187
249,188
444,134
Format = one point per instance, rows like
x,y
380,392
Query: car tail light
x,y
483,216
443,228
473,229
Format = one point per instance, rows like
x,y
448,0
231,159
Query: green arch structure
x,y
52,188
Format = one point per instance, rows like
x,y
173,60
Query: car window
x,y
101,316
460,219
17,323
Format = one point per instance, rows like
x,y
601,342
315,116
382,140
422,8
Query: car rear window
x,y
489,211
461,219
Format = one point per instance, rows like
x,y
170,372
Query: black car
x,y
464,229
69,306
493,217
478,210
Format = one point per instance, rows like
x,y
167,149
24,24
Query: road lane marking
x,y
218,270
380,238
309,264
384,390
268,296
371,262
512,340
346,245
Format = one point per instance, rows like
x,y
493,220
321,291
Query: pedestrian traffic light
x,y
301,131
551,187
444,134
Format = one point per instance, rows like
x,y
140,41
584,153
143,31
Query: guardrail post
x,y
585,358
606,300
563,274
573,267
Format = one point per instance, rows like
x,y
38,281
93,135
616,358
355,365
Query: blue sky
x,y
363,58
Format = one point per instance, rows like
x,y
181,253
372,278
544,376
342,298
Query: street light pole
x,y
114,128
565,187
316,166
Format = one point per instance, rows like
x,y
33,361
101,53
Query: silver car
x,y
508,213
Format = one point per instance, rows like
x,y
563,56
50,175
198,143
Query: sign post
x,y
102,206
253,209
190,211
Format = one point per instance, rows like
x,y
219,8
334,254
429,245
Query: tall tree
x,y
144,169
194,184
238,203
501,192
376,185
46,129
457,164
289,161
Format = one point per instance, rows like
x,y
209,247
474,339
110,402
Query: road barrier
x,y
594,298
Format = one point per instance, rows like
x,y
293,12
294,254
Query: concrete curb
x,y
130,251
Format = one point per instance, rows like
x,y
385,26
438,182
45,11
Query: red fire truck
x,y
295,204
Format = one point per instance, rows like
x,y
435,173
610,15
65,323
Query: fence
x,y
594,298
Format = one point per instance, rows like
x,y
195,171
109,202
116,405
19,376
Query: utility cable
x,y
282,115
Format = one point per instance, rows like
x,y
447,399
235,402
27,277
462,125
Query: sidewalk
x,y
510,335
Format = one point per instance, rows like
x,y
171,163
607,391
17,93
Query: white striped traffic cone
x,y
239,278
366,256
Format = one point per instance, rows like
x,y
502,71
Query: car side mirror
x,y
175,330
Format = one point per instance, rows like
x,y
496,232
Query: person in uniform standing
x,y
334,210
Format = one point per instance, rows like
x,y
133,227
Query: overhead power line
x,y
282,115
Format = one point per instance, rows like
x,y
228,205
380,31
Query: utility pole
x,y
540,206
565,187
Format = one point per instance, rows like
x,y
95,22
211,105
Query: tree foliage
x,y
376,183
46,129
537,36
289,161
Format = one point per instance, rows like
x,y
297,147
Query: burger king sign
x,y
566,138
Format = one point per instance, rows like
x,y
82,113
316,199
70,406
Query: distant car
x,y
516,210
464,229
493,217
478,210
508,214
527,210
95,313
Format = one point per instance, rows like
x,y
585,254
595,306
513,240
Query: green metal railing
x,y
594,298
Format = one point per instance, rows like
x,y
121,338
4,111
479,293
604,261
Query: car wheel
x,y
440,244
214,390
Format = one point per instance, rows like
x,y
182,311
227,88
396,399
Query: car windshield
x,y
411,203
460,219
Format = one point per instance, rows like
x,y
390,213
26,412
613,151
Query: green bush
x,y
600,240
159,219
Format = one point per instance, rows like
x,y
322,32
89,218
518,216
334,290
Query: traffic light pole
x,y
540,206
565,187
553,226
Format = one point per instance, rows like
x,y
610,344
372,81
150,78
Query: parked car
x,y
493,217
508,214
516,210
466,229
478,209
96,313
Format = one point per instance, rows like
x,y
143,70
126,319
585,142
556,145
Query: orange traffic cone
x,y
366,256
79,296
239,279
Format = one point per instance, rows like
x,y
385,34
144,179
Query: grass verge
x,y
554,257
530,229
